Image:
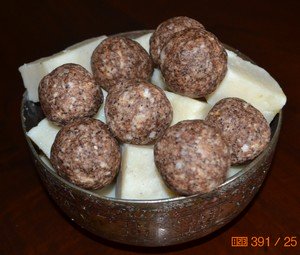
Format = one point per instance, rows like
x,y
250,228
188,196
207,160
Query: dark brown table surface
x,y
267,31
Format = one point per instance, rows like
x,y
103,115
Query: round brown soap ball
x,y
166,30
69,92
120,58
192,157
193,63
86,154
138,113
243,127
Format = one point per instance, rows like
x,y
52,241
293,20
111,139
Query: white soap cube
x,y
251,83
139,178
43,135
100,115
233,170
185,108
79,53
158,80
144,41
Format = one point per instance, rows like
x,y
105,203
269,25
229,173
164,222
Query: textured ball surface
x,y
244,128
193,63
192,157
120,58
69,92
166,30
138,113
85,153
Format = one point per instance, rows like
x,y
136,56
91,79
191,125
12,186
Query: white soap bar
x,y
79,53
144,41
139,178
43,135
251,83
233,170
157,79
107,191
185,108
100,115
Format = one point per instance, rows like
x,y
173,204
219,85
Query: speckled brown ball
x,y
243,127
138,113
69,92
193,63
192,157
120,58
166,30
86,154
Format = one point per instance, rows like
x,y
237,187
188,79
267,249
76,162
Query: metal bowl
x,y
152,222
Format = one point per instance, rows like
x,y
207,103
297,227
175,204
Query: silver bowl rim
x,y
230,180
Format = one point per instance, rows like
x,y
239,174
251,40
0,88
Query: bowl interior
x,y
31,115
